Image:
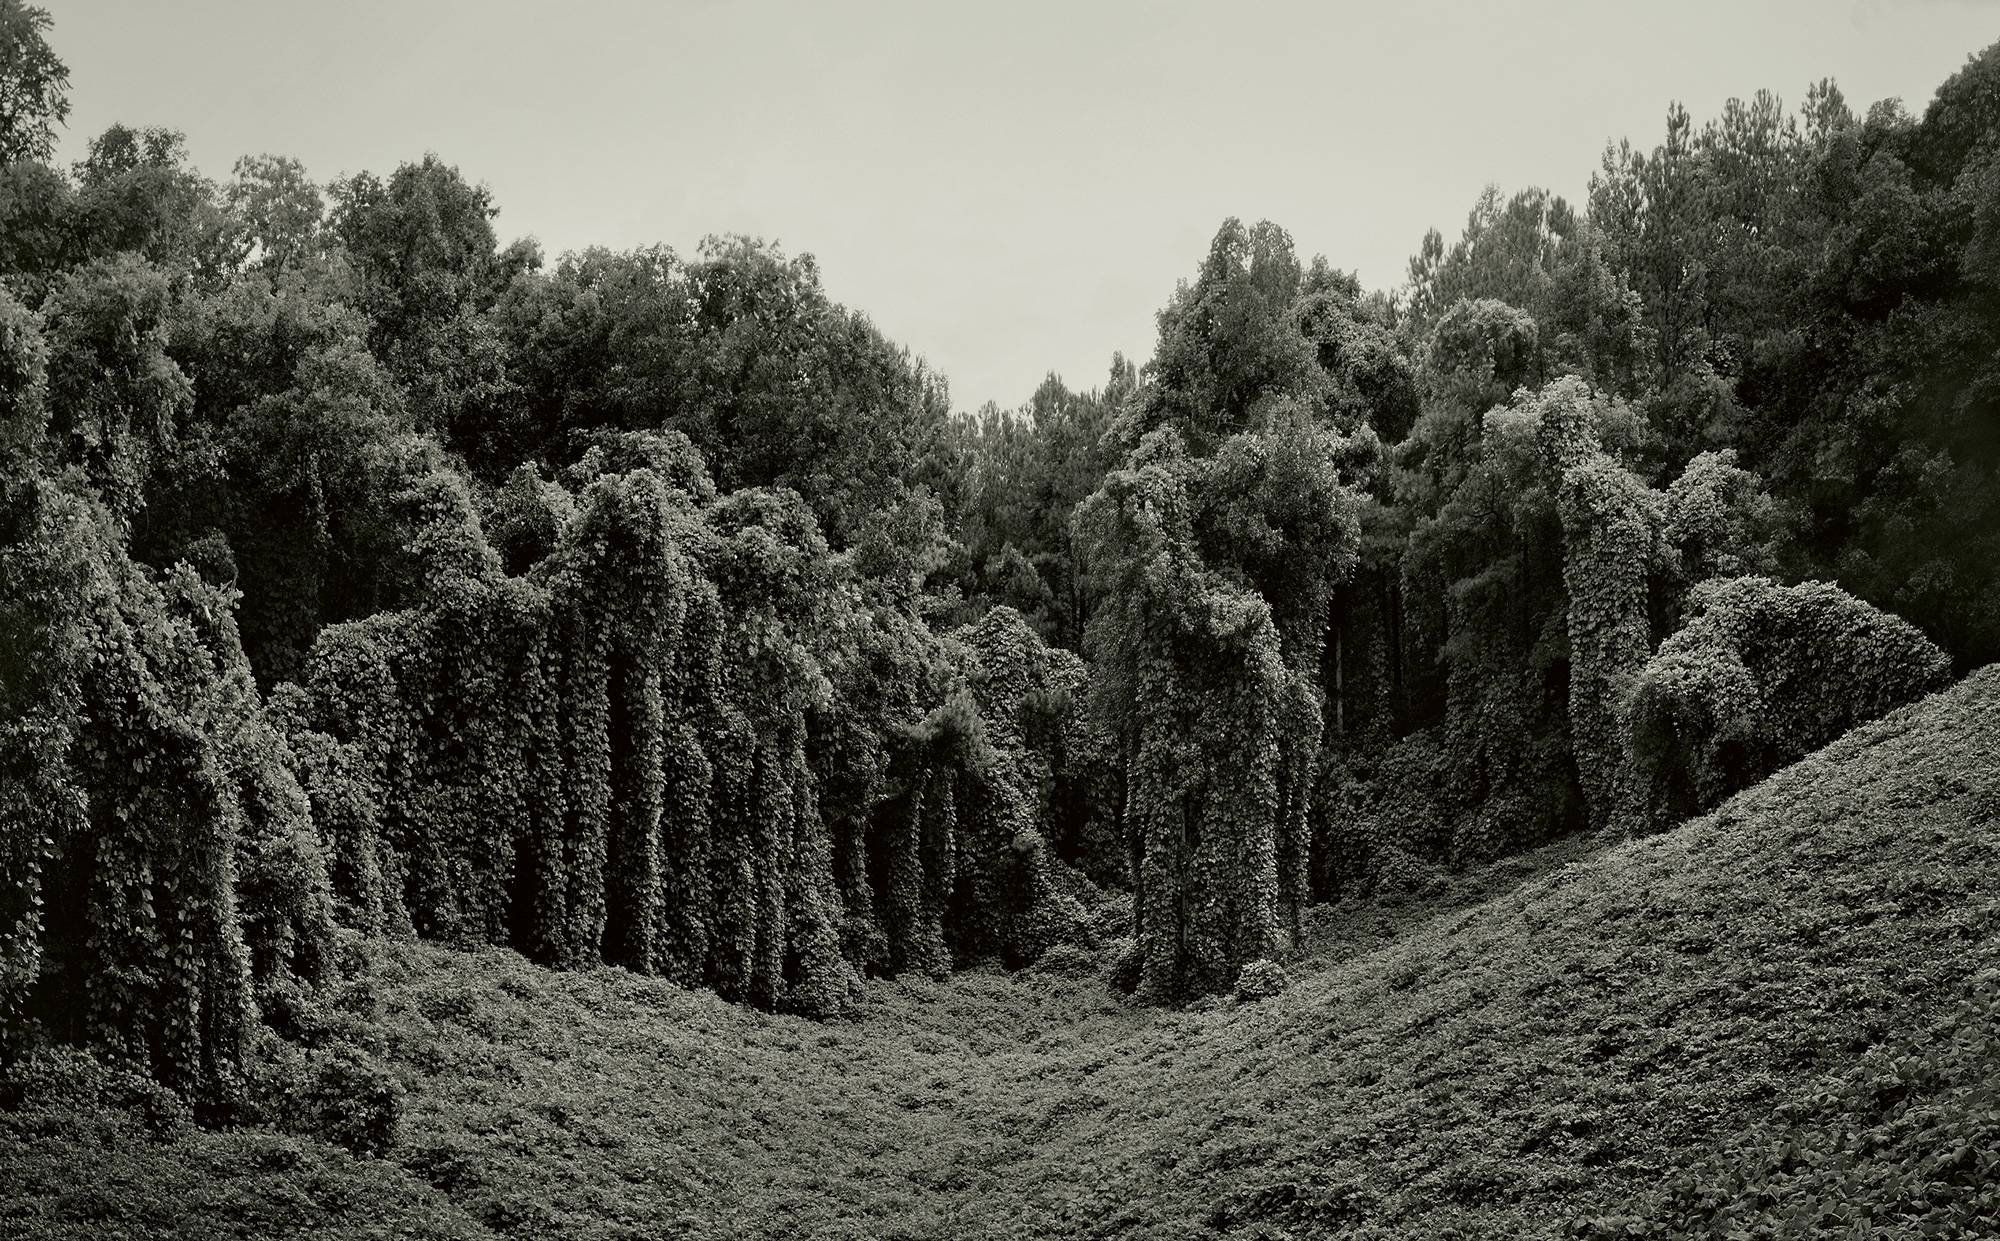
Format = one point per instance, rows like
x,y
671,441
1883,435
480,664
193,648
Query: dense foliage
x,y
1901,1145
1762,676
1751,1023
363,577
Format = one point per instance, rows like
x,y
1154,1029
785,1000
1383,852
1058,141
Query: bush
x,y
1128,965
342,1094
1066,961
1762,676
1397,873
1374,805
1260,980
352,1101
71,1081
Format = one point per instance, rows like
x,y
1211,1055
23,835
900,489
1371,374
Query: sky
x,y
1007,189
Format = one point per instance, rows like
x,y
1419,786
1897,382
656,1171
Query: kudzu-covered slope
x,y
1544,1058
1753,1018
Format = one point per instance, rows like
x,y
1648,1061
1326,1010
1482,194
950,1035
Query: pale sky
x,y
1006,188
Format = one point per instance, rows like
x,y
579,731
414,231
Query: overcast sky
x,y
1006,188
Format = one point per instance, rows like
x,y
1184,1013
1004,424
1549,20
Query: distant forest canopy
x,y
361,575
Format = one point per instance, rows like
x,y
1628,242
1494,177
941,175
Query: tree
x,y
792,390
1481,351
278,209
34,84
1719,522
1027,471
1651,211
37,209
1191,681
1762,676
296,443
137,192
1535,254
1482,581
423,249
42,647
1213,554
1271,512
1362,351
739,350
158,867
422,243
1508,253
116,398
1818,294
1231,340
1611,536
1004,900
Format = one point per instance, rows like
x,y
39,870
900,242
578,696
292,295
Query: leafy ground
x,y
1746,1024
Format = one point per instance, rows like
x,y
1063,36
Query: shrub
x,y
342,1094
71,1081
1371,804
1397,873
1261,979
351,1100
1762,676
1066,961
1128,964
1006,895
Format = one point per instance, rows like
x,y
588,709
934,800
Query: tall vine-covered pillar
x,y
622,593
1610,523
1005,899
1204,786
733,939
816,975
1192,682
143,950
918,842
629,543
913,836
777,939
1302,724
45,571
690,728
572,890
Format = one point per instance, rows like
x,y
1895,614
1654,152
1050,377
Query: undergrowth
x,y
1767,1022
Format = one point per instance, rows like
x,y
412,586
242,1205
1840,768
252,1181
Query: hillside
x,y
1501,1068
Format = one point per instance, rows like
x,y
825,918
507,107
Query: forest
x,y
365,579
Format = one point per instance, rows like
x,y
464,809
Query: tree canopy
x,y
34,84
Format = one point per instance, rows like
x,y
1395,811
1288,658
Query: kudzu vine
x,y
1763,675
147,793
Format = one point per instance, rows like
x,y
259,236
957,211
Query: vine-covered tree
x,y
1192,682
145,790
1762,676
363,576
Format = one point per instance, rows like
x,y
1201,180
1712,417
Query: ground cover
x,y
1531,1049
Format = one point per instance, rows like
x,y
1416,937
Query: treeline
x,y
1771,341
360,575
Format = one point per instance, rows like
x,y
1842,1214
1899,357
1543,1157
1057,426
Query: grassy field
x,y
1531,1049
